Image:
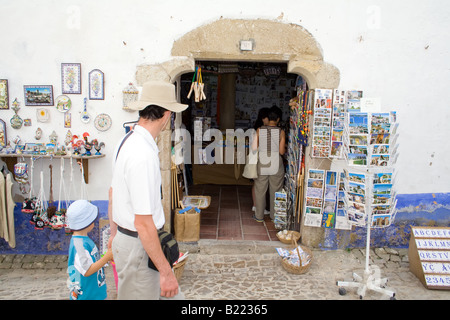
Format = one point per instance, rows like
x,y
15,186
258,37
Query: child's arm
x,y
100,263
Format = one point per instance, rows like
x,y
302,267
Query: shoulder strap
x,y
123,140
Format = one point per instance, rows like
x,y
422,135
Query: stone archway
x,y
272,41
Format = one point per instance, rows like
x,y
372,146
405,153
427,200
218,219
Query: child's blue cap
x,y
81,214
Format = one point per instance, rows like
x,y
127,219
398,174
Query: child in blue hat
x,y
85,267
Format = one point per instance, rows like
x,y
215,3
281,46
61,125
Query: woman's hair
x,y
275,113
263,113
152,112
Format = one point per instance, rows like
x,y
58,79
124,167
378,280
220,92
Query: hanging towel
x,y
3,218
10,210
7,229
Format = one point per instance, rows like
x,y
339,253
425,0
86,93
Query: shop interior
x,y
235,92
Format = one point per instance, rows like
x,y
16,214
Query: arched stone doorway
x,y
272,41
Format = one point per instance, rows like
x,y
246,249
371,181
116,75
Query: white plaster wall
x,y
394,50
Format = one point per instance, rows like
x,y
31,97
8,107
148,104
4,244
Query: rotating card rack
x,y
379,197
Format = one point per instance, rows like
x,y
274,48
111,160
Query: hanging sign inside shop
x,y
429,256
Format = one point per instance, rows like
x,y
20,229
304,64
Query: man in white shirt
x,y
137,213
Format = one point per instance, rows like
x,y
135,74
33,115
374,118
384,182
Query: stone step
x,y
229,247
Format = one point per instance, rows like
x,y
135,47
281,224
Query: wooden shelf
x,y
11,160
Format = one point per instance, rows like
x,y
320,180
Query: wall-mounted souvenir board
x,y
429,256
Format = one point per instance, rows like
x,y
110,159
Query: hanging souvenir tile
x,y
71,77
63,103
27,122
67,120
102,122
130,94
4,97
96,85
16,121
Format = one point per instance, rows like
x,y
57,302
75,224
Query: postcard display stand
x,y
363,146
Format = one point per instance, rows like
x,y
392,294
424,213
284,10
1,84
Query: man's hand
x,y
169,284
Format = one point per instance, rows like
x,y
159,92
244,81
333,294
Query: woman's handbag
x,y
250,170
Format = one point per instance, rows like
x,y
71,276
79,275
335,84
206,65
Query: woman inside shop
x,y
262,120
271,144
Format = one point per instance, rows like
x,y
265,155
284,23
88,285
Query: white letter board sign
x,y
429,256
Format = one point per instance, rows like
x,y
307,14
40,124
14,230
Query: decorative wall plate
x,y
102,122
42,115
63,103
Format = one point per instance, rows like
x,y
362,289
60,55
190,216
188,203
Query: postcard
x,y
381,220
358,123
328,219
379,160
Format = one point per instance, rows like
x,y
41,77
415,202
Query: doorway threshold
x,y
230,215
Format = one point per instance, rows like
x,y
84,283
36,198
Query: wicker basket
x,y
179,268
295,236
297,269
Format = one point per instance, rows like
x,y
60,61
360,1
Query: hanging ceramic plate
x,y
42,115
102,122
63,103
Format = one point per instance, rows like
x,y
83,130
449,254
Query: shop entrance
x,y
242,40
235,94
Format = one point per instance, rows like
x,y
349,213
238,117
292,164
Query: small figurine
x,y
53,138
76,145
98,146
87,145
38,135
68,138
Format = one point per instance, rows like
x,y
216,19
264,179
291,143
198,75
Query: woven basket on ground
x,y
294,235
179,268
297,269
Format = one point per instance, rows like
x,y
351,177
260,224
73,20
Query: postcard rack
x,y
371,279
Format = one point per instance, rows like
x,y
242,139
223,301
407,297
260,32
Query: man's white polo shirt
x,y
136,181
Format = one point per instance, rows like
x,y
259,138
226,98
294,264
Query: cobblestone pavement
x,y
221,270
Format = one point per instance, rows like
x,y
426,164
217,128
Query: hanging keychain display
x,y
69,195
197,86
39,218
51,210
57,222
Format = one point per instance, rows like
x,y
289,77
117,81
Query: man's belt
x,y
130,233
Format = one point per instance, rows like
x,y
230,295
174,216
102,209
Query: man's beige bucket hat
x,y
160,93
